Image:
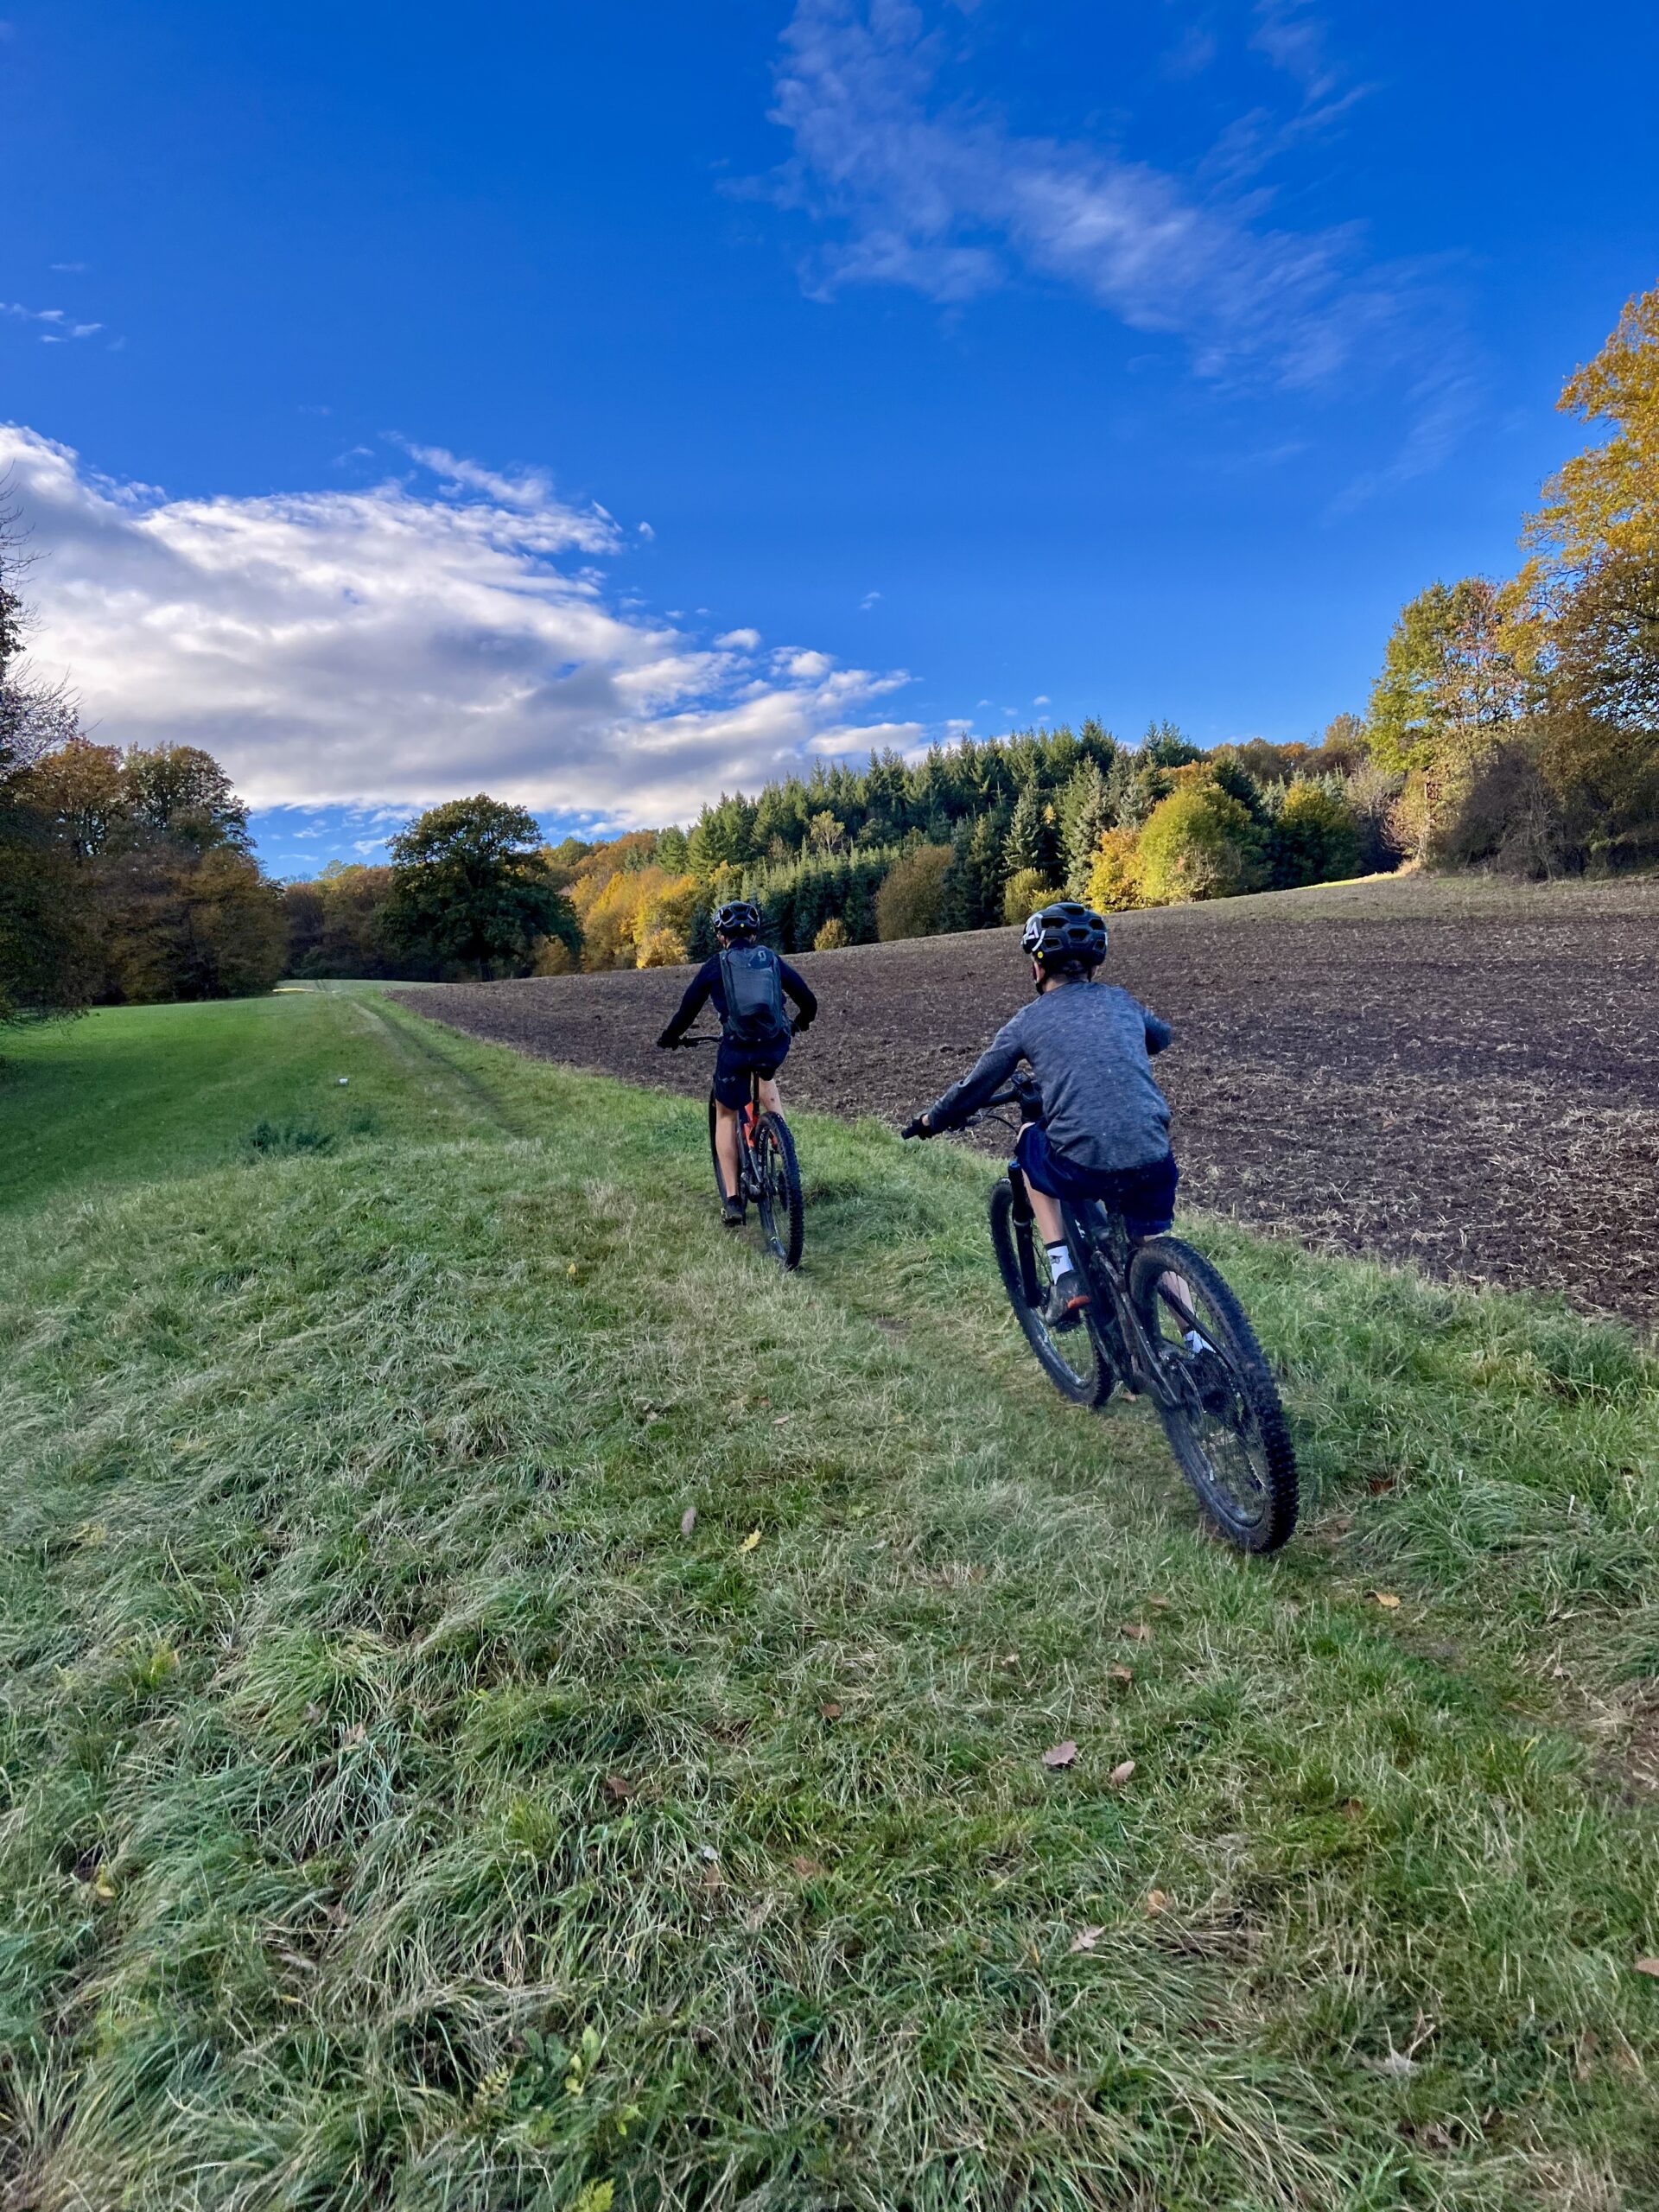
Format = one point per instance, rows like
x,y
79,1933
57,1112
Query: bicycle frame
x,y
748,1183
1099,1243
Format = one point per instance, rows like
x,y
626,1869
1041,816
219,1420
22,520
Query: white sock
x,y
1059,1260
1196,1343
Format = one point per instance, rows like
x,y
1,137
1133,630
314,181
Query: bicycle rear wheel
x,y
1220,1404
777,1195
1072,1359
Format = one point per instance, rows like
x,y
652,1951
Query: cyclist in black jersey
x,y
746,983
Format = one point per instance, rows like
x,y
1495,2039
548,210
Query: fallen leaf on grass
x,y
1387,1600
1160,1604
571,1269
829,1709
750,1541
1379,1483
619,1787
1086,1938
688,1520
1135,1633
1060,1754
1122,1771
1157,1902
805,1867
1649,1965
1121,1673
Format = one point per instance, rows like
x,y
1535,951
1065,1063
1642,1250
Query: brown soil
x,y
1460,1074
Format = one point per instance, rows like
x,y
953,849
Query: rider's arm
x,y
697,991
806,1004
1159,1031
996,1064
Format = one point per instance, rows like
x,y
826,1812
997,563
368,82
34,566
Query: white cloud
x,y
399,644
1294,41
869,600
59,327
944,197
646,531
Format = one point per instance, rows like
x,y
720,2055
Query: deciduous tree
x,y
470,884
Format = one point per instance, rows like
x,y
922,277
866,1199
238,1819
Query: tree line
x,y
1515,724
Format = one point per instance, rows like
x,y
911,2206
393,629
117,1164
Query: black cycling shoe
x,y
733,1212
1065,1303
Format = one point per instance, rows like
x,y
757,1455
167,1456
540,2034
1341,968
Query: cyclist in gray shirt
x,y
1104,1133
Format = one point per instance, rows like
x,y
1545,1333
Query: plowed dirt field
x,y
1459,1074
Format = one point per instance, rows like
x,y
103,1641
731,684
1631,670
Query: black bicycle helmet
x,y
736,916
1066,934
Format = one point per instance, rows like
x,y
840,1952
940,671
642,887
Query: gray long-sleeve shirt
x,y
1089,1046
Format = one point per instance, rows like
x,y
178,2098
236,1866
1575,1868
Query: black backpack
x,y
754,986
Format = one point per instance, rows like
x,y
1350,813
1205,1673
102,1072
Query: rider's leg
x,y
726,1147
1050,1226
772,1099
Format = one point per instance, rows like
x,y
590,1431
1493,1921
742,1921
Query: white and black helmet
x,y
1065,933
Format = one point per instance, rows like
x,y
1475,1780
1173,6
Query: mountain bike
x,y
768,1174
1162,1321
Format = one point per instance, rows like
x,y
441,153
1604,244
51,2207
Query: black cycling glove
x,y
667,1041
918,1127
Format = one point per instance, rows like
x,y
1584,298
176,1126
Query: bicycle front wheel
x,y
778,1189
1218,1400
1071,1359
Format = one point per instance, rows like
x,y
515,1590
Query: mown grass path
x,y
401,1807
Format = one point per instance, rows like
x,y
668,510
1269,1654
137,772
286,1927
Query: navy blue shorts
x,y
1144,1196
736,1063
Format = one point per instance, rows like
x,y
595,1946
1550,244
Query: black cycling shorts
x,y
1144,1196
736,1063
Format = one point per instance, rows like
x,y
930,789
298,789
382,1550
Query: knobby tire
x,y
1074,1363
782,1213
1226,1424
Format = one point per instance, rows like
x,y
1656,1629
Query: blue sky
x,y
965,365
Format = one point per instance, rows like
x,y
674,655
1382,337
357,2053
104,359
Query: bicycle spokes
x,y
1209,1394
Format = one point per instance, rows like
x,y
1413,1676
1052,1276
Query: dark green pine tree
x,y
1086,809
1033,837
972,892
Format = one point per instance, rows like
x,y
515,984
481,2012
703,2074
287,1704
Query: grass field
x,y
403,1807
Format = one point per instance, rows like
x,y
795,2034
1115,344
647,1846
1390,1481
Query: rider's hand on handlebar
x,y
667,1042
921,1126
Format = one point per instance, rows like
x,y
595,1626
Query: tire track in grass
x,y
416,1051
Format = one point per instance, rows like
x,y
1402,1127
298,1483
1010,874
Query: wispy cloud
x,y
396,645
919,189
1294,39
58,328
